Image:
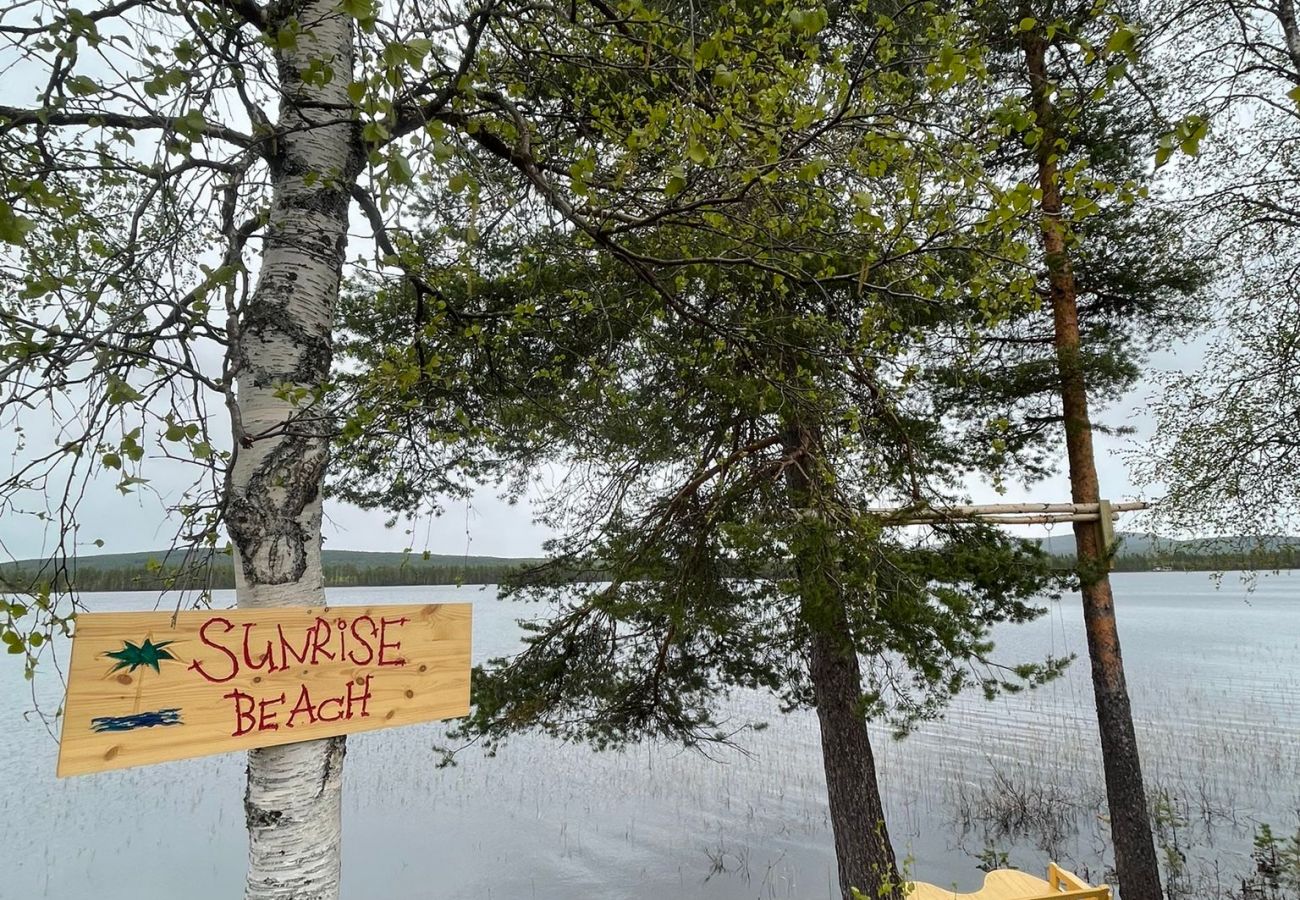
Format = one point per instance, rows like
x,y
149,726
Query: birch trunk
x,y
283,340
1286,16
1135,855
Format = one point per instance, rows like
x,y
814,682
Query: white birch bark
x,y
273,503
1286,15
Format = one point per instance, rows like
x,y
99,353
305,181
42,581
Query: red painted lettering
x,y
320,634
267,722
287,649
356,636
385,645
304,705
245,721
361,698
267,660
320,710
203,636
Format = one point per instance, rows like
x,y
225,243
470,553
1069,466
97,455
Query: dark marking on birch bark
x,y
330,201
267,322
254,815
334,754
264,516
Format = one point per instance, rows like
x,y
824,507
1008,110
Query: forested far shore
x,y
153,576
223,578
1183,561
152,572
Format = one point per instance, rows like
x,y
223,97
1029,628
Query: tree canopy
x,y
738,271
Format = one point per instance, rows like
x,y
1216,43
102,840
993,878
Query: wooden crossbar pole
x,y
982,509
1008,519
1008,513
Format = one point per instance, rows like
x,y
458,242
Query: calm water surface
x,y
1214,675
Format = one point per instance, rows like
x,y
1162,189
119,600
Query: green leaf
x,y
361,10
1294,94
13,227
318,73
811,169
1186,136
809,21
399,168
119,392
417,49
192,124
1123,39
1028,23
164,80
81,86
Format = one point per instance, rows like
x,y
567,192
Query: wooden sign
x,y
153,686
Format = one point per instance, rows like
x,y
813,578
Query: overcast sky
x,y
486,525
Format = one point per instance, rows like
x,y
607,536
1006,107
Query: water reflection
x,y
1216,691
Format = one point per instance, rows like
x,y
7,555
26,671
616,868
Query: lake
x,y
1214,674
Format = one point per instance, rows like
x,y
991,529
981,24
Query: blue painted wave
x,y
136,720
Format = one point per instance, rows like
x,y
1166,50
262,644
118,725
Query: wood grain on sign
x,y
153,686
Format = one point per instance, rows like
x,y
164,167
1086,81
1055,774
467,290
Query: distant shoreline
x,y
213,571
96,582
159,570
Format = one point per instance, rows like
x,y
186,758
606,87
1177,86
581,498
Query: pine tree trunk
x,y
862,849
1135,856
283,338
863,852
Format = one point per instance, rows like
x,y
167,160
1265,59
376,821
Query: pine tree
x,y
741,329
1118,274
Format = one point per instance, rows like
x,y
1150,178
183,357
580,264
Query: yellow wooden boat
x,y
1012,884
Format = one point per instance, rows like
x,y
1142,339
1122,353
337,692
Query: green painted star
x,y
132,657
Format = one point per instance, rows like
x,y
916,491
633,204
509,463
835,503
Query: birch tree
x,y
1225,453
175,202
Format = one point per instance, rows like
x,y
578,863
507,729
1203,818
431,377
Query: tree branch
x,y
248,10
16,117
107,12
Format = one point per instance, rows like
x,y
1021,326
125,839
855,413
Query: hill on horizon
x,y
1139,543
112,562
1133,543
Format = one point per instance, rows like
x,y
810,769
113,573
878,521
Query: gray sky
x,y
484,525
